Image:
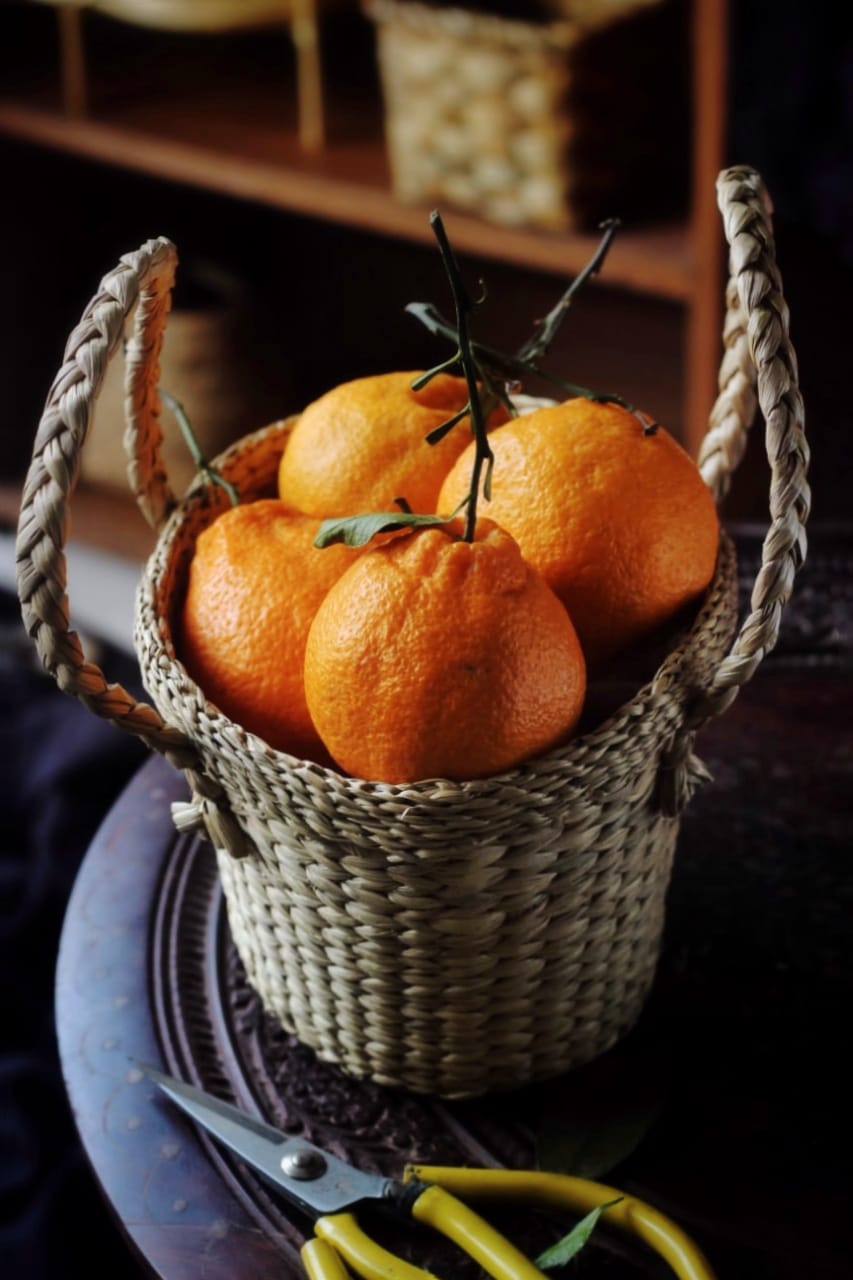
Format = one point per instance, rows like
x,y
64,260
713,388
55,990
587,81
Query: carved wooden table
x,y
745,1035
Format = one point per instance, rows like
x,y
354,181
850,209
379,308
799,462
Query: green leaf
x,y
357,531
570,1245
594,1117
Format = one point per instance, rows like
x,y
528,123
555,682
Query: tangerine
x,y
255,582
362,445
614,515
432,656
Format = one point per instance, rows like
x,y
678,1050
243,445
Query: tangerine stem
x,y
462,303
546,330
204,467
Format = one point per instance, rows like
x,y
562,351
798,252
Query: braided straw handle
x,y
759,364
144,277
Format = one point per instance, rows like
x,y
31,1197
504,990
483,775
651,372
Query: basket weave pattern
x,y
449,938
420,933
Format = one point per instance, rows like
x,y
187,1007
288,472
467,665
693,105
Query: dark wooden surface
x,y
745,1034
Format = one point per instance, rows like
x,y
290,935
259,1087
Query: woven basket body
x,y
449,938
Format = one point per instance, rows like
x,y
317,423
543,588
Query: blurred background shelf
x,y
197,138
347,183
220,113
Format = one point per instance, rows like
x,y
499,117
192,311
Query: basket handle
x,y
145,277
758,369
759,365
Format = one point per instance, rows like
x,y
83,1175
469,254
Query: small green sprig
x,y
210,474
499,373
356,531
490,376
545,331
572,1243
463,305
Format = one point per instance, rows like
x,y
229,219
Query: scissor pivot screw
x,y
303,1165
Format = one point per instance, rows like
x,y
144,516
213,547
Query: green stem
x,y
462,304
514,368
490,362
546,330
419,383
203,466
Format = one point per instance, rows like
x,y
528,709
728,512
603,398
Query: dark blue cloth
x,y
61,770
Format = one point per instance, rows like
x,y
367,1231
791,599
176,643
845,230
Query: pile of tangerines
x,y
449,632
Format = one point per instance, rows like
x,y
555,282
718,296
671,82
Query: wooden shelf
x,y
347,183
221,114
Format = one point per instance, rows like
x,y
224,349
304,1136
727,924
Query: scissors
x,y
329,1190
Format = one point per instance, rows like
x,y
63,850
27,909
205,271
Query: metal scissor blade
x,y
313,1179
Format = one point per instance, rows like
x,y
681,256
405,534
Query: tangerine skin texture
x,y
362,445
255,582
432,657
619,523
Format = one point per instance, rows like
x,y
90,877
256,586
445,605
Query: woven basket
x,y
518,122
448,938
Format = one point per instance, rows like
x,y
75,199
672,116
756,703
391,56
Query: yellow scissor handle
x,y
321,1262
559,1191
444,1212
340,1237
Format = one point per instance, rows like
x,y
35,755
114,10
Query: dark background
x,y
790,107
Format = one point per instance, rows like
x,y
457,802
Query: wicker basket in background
x,y
217,364
555,124
448,938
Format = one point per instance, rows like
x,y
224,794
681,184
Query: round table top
x,y
727,1107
